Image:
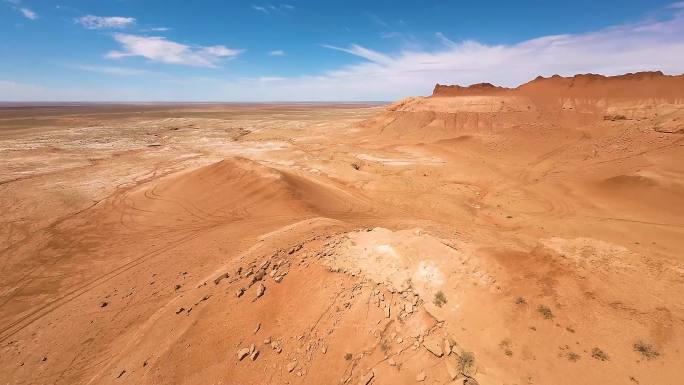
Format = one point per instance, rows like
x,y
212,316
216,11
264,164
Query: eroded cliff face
x,y
651,99
631,85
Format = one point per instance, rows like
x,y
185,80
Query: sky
x,y
319,50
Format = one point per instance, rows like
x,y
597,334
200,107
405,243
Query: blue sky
x,y
173,50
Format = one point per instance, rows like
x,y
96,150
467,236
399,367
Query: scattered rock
x,y
258,326
260,291
180,310
276,346
421,376
104,304
432,345
258,276
452,370
240,292
291,366
254,355
242,353
218,279
267,341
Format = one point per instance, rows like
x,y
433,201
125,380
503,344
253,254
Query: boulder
x,y
260,290
452,369
242,353
433,346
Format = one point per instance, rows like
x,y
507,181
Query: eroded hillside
x,y
479,235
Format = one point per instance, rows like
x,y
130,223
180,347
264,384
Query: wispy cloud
x,y
16,91
378,75
445,40
269,79
109,70
155,29
105,22
368,54
276,52
388,76
377,20
159,49
260,8
25,11
29,14
270,8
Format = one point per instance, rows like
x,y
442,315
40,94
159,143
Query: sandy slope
x,y
500,236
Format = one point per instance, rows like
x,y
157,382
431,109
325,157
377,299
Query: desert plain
x,y
479,235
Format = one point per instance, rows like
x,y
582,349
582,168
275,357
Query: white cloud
x,y
260,8
368,54
270,8
109,70
445,40
276,52
219,51
26,12
377,20
105,22
11,91
29,14
155,29
648,45
655,44
268,79
162,50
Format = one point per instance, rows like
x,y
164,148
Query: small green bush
x,y
440,299
646,350
599,354
545,311
466,360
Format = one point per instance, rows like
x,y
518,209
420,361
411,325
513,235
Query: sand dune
x,y
479,235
